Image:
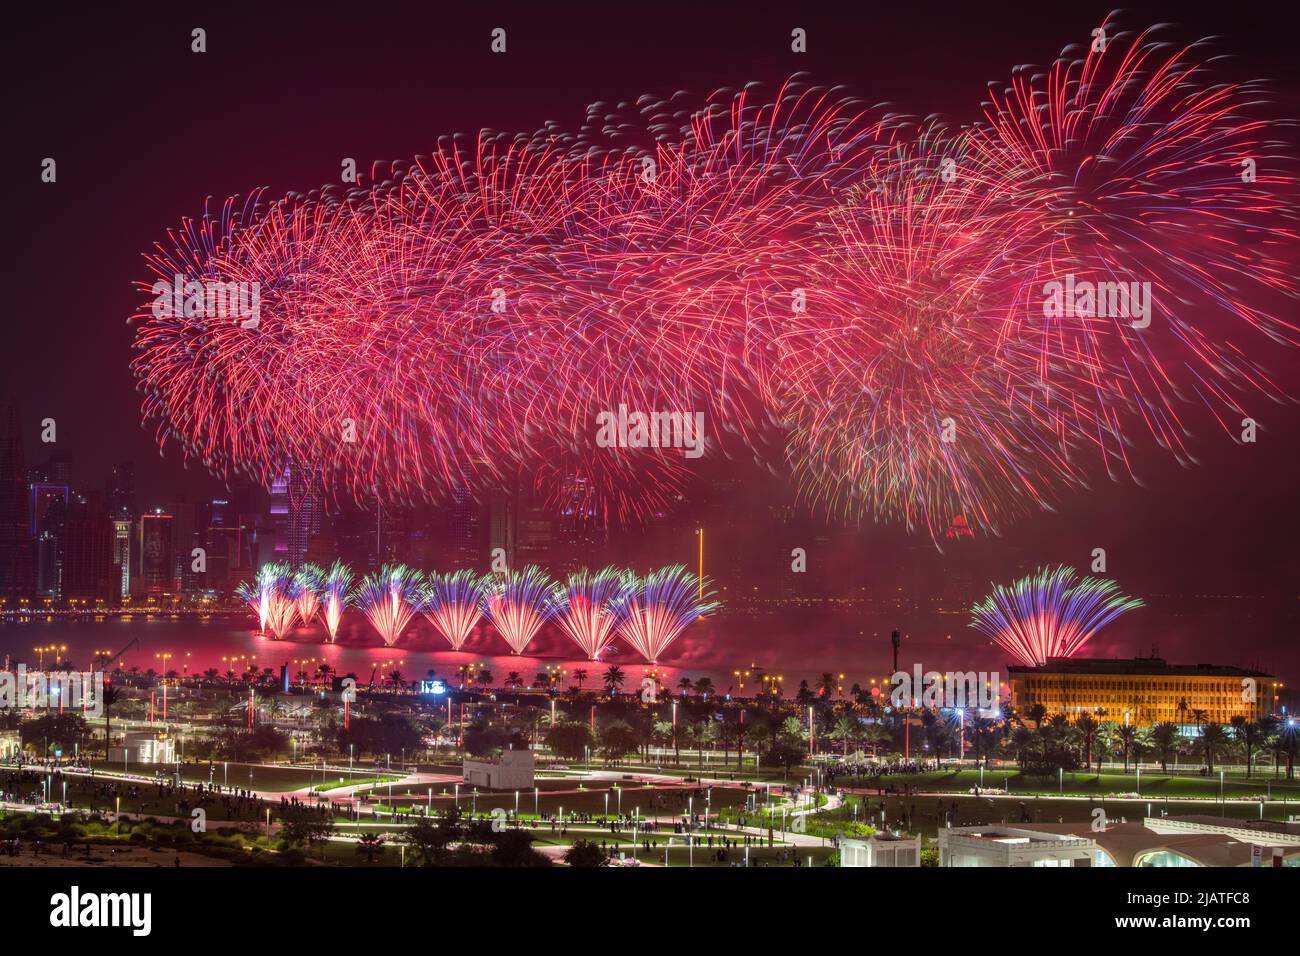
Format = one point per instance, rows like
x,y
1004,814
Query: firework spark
x,y
660,606
335,591
517,605
852,296
389,599
453,604
277,599
308,585
1051,613
589,608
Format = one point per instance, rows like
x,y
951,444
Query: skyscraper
x,y
156,568
88,572
15,530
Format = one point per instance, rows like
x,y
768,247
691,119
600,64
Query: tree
x,y
1036,713
876,736
429,837
304,825
704,686
846,729
614,678
1213,741
54,731
111,696
685,685
569,739
703,732
369,846
1251,736
1087,727
1164,736
1127,734
617,740
586,853
514,680
581,676
826,685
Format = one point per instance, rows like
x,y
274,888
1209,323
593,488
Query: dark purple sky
x,y
144,131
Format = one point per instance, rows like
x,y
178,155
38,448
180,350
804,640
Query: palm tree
x,y
368,846
1087,726
846,729
1165,737
485,677
685,685
514,680
614,678
1036,713
1250,734
704,686
876,736
1127,735
702,733
826,685
1213,740
580,675
111,696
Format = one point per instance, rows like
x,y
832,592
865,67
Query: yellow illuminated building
x,y
1144,690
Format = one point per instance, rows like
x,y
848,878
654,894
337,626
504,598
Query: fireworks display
x,y
517,605
277,602
453,604
589,607
1051,613
308,585
335,594
251,595
389,598
660,606
846,294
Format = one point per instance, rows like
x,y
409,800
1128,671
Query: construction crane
x,y
134,642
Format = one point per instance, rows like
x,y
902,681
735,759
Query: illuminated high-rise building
x,y
15,530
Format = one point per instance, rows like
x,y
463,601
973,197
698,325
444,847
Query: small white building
x,y
143,747
881,849
512,771
996,845
11,743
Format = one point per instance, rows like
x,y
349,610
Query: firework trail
x,y
453,604
335,590
308,585
252,596
660,606
277,599
1051,613
589,607
389,599
848,295
517,605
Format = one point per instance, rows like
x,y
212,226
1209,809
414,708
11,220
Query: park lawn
x,y
972,811
1083,783
651,801
336,782
235,775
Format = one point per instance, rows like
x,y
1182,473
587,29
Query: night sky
x,y
143,131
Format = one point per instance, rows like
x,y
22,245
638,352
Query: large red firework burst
x,y
844,292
